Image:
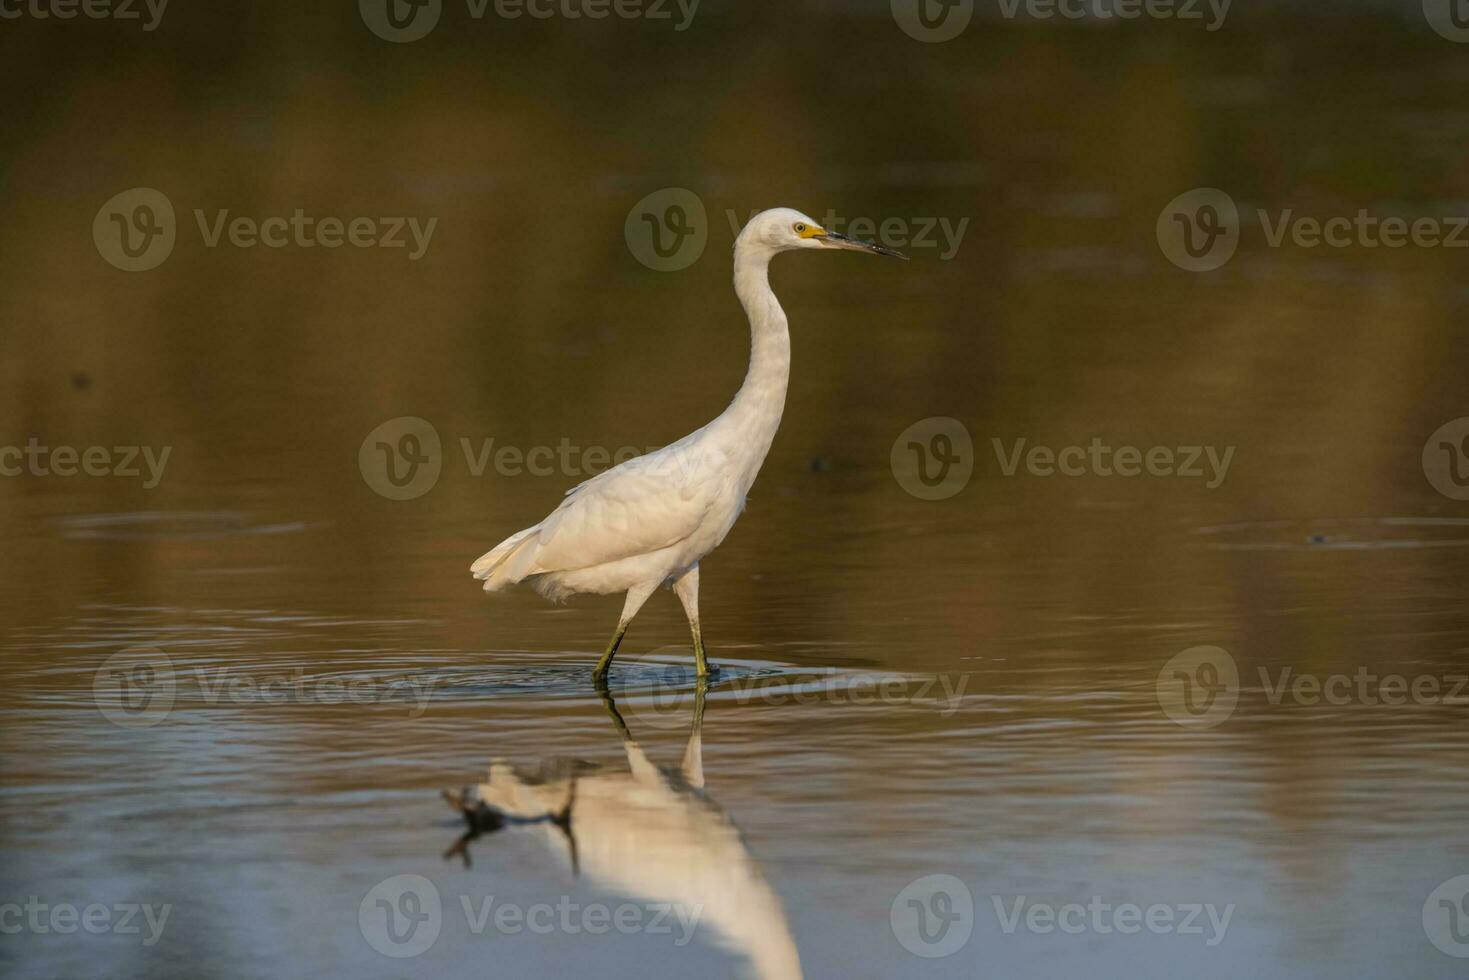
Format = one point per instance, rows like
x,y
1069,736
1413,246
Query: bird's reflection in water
x,y
650,832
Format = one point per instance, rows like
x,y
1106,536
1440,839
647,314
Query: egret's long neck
x,y
754,415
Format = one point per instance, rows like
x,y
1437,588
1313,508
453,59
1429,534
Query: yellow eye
x,y
800,228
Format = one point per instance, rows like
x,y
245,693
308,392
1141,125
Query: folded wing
x,y
643,505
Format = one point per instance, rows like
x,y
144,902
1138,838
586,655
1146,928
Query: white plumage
x,y
648,522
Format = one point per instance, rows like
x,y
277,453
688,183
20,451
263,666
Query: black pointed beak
x,y
834,240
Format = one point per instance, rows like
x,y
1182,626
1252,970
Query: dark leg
x,y
599,675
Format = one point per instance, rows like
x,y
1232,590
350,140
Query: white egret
x,y
648,521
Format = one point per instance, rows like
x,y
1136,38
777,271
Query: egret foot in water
x,y
706,670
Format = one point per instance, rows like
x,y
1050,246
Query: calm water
x,y
239,694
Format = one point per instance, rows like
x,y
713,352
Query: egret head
x,y
784,229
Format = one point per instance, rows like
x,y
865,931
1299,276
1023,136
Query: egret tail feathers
x,y
509,561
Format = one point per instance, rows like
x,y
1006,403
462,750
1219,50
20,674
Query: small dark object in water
x,y
481,819
81,380
1317,539
819,464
